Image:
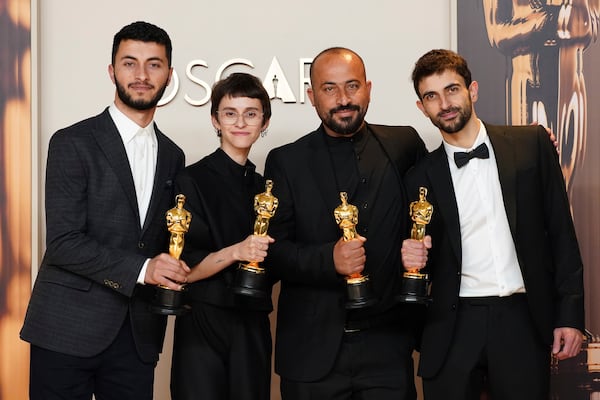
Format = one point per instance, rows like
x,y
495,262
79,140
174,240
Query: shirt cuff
x,y
142,275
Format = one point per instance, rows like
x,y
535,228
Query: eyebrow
x,y
451,85
235,109
341,83
128,57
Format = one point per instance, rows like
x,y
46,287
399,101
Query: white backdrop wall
x,y
75,39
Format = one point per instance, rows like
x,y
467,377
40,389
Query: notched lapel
x,y
163,180
441,186
322,171
507,174
110,142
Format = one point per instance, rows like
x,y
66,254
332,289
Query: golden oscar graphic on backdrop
x,y
415,285
358,286
168,301
251,278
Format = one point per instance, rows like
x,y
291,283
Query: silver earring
x,y
263,133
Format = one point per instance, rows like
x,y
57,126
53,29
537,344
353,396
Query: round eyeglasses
x,y
250,117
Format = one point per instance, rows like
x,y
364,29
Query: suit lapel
x,y
161,177
441,186
505,162
110,142
323,172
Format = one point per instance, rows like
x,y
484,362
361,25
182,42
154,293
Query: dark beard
x,y
464,115
348,126
140,105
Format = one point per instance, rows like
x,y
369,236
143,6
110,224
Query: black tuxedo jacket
x,y
540,222
311,312
86,285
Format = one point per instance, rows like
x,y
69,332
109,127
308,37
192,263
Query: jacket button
x,y
453,306
141,245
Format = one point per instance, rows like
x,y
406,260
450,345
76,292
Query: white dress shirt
x,y
141,147
489,259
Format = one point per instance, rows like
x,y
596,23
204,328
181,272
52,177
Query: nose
x,y
240,122
343,98
141,73
444,103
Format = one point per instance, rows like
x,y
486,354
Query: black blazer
x,y
311,313
86,284
540,222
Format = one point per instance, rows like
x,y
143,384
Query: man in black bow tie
x,y
505,264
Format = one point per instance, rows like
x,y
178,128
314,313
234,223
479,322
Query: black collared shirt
x,y
364,170
220,195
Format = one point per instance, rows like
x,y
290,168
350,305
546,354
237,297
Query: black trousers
x,y
221,354
115,374
494,343
372,364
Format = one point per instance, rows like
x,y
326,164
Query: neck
x,y
240,156
334,134
140,117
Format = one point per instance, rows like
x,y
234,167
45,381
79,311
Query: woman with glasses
x,y
222,348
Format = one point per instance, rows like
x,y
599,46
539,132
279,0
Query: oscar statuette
x,y
251,278
358,286
415,285
169,301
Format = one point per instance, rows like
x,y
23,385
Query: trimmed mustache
x,y
448,111
349,107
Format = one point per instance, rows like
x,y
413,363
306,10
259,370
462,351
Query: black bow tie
x,y
461,158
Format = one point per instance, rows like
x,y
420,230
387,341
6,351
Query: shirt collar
x,y
355,138
482,137
126,127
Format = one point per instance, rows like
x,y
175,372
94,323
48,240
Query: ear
x,y
311,95
474,91
170,75
111,72
215,122
265,125
421,107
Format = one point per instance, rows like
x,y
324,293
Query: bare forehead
x,y
337,67
141,50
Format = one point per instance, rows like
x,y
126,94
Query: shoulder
x,y
83,127
297,147
519,138
393,131
516,131
399,138
166,142
402,143
201,167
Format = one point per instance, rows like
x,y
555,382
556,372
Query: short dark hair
x,y
438,61
240,84
334,50
144,32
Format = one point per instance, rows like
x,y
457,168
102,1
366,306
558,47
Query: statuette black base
x,y
415,288
169,302
251,281
359,293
